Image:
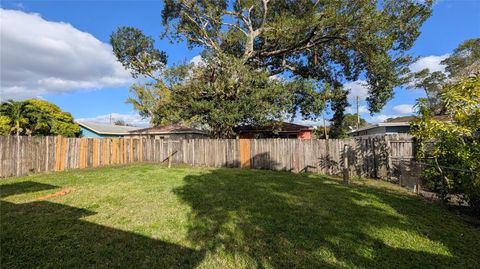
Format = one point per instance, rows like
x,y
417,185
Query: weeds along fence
x,y
366,156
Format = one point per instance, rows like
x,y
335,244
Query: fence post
x,y
346,172
388,152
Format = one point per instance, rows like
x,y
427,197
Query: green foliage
x,y
328,41
348,123
464,61
153,100
454,143
5,125
136,52
307,42
14,118
36,117
338,104
432,84
223,92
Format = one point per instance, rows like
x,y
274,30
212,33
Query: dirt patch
x,y
55,194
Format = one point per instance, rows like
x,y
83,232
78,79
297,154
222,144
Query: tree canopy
x,y
464,61
348,123
35,117
318,45
329,41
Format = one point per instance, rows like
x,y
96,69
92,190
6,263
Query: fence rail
x,y
369,156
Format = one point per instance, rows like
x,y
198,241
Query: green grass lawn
x,y
145,216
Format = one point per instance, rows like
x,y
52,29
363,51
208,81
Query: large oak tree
x,y
329,40
326,42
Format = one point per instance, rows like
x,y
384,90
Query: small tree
x,y
464,61
340,128
36,117
14,117
454,143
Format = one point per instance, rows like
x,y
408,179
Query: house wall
x,y
397,129
305,135
384,130
372,131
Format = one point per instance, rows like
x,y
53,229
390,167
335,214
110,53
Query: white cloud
x,y
381,118
433,63
353,110
41,57
357,88
318,122
197,60
132,119
403,109
275,77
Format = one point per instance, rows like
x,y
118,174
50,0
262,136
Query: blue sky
x,y
102,87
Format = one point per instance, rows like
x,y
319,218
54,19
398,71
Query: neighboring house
x,y
400,125
383,128
168,132
97,130
280,130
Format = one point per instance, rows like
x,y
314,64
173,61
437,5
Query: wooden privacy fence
x,y
370,156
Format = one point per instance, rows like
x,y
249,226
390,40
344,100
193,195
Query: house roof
x,y
279,126
399,121
107,129
379,125
168,129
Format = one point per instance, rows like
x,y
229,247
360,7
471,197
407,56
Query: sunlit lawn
x,y
146,216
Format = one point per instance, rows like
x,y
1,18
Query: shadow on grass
x,y
285,220
49,235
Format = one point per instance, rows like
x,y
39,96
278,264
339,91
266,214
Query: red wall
x,y
305,135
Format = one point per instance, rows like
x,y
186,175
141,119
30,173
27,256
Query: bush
x,y
454,145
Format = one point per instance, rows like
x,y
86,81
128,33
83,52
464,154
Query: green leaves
x,y
315,44
465,59
462,63
222,93
14,117
35,117
137,53
456,142
327,41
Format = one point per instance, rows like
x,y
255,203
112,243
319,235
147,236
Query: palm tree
x,y
17,113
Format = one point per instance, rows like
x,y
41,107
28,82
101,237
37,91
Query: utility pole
x,y
358,114
110,118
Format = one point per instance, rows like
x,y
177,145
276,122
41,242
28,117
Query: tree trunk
x,y
17,168
444,182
